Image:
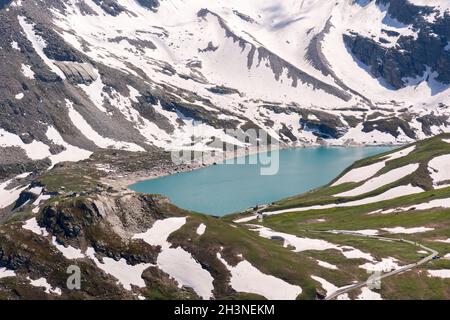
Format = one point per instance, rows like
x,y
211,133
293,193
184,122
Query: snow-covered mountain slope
x,y
138,74
385,213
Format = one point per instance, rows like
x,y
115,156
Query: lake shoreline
x,y
184,188
124,181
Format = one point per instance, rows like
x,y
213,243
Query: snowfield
x,y
127,275
380,181
89,132
33,226
388,195
444,274
442,5
327,265
70,153
306,244
201,229
386,265
35,150
177,262
360,174
39,45
257,49
401,230
5,273
439,169
68,252
437,203
246,278
9,196
265,47
367,294
42,283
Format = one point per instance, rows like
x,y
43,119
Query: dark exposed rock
x,y
56,48
404,11
410,57
111,7
78,73
390,126
244,17
320,129
4,3
390,33
209,48
14,161
141,45
428,121
285,131
69,222
149,4
198,113
223,90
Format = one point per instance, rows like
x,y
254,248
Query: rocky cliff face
x,y
422,56
67,83
103,226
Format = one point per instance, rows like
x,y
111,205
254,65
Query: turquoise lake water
x,y
228,188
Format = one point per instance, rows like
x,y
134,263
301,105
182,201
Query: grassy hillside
x,y
378,216
293,244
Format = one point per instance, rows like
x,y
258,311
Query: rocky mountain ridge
x,y
87,75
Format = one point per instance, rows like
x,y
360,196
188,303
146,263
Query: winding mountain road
x,y
370,281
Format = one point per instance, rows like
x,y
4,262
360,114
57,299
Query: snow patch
x,y
380,181
388,195
439,168
306,244
38,201
386,265
68,252
246,278
401,230
71,153
327,286
443,273
437,203
364,173
27,72
95,92
177,262
42,283
367,294
35,150
327,265
15,45
360,174
34,227
8,197
39,45
126,274
5,273
246,219
102,142
201,229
